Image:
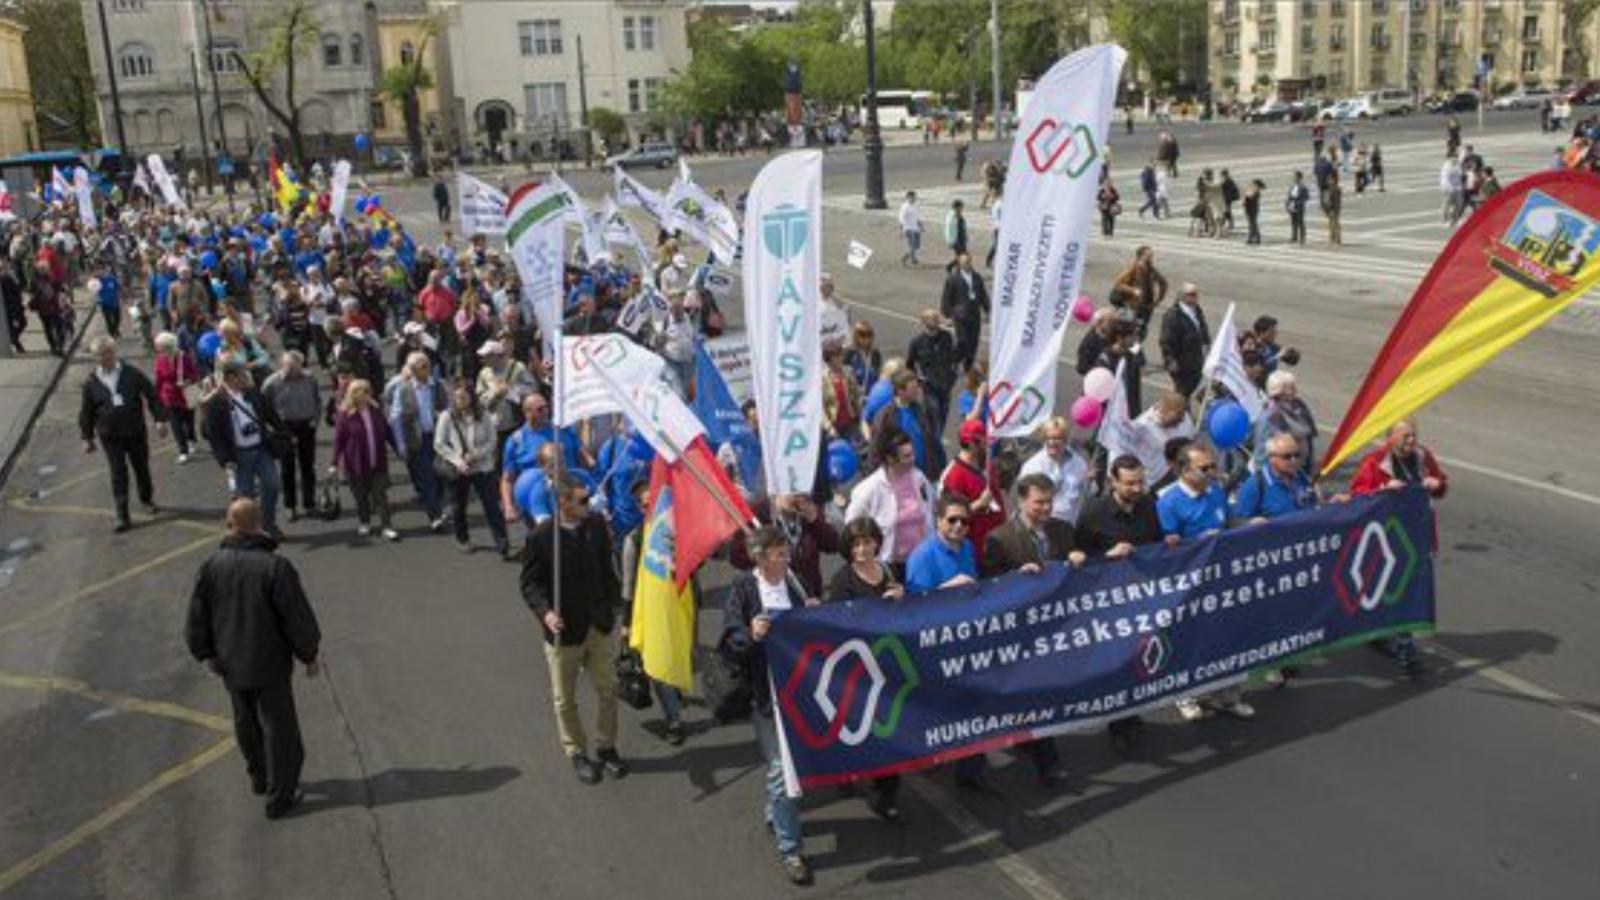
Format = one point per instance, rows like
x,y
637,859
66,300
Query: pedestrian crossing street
x,y
1390,238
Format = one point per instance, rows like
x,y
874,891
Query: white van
x,y
1389,102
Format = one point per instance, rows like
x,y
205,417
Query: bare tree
x,y
296,30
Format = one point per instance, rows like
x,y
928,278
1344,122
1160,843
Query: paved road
x,y
434,770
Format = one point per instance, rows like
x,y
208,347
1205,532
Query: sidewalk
x,y
26,383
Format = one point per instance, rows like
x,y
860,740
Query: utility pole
x,y
216,92
111,76
200,115
583,109
994,68
872,141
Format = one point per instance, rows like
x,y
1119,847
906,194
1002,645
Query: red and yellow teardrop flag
x,y
1522,257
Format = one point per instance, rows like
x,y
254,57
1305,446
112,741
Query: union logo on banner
x,y
1061,147
1545,246
848,711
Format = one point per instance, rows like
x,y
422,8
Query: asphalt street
x,y
433,764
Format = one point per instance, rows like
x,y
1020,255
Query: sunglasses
x,y
1207,469
956,520
1284,455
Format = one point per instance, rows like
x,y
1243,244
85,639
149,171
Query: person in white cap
x,y
502,383
675,278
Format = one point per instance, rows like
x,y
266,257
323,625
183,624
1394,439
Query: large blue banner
x,y
873,687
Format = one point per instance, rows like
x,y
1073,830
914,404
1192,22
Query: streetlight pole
x,y
872,142
200,115
583,110
111,77
994,69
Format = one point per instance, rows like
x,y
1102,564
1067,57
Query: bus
x,y
902,109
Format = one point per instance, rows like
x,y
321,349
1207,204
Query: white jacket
x,y
478,451
874,498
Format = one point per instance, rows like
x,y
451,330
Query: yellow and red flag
x,y
1522,257
280,179
662,628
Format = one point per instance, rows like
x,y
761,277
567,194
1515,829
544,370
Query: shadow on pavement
x,y
410,785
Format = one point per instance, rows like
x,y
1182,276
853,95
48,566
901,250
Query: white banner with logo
x,y
535,234
85,193
158,171
620,231
585,393
1121,434
630,192
1225,364
730,353
339,188
483,207
703,217
782,266
1050,202
649,306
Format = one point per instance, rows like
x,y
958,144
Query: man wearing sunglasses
x,y
945,558
1194,506
1278,488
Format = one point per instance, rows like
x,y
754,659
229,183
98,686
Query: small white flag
x,y
858,254
1225,364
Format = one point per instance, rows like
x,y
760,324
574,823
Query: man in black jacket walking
x,y
965,301
578,623
1185,338
249,620
116,397
246,438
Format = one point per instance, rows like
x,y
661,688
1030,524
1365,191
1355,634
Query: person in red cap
x,y
968,476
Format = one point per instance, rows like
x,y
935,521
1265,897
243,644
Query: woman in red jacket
x,y
1399,463
174,370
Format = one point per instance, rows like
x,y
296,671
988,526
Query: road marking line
x,y
1029,880
113,814
131,572
123,702
1516,684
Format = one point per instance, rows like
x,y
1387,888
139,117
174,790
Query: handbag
x,y
328,500
446,469
633,686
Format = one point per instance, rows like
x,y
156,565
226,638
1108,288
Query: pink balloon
x,y
1086,412
1083,308
1100,384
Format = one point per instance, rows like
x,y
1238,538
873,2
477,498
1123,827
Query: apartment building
x,y
19,131
516,66
160,51
1289,48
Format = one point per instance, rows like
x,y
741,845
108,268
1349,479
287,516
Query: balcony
x,y
1335,45
1380,42
1532,36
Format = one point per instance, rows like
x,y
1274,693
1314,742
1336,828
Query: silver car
x,y
652,154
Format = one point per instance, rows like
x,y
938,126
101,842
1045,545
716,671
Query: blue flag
x,y
724,422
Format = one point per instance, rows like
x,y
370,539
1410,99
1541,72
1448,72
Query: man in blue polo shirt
x,y
1195,504
1278,488
945,558
522,449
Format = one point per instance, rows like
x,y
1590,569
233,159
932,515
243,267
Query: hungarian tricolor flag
x,y
1523,256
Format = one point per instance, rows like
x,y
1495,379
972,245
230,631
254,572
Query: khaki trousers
x,y
598,656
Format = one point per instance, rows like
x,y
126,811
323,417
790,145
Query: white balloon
x,y
1100,384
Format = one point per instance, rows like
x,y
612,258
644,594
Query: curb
x,y
15,453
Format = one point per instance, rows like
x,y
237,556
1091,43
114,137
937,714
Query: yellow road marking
x,y
122,702
113,814
58,509
90,590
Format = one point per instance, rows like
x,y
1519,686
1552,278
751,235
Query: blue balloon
x,y
640,449
374,202
842,462
361,205
1228,424
362,143
877,398
209,344
208,260
267,220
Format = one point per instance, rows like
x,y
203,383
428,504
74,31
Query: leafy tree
x,y
58,68
297,29
726,76
609,125
1163,37
404,84
1578,14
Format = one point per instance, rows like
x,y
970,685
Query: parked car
x,y
1524,98
656,154
1584,94
1460,101
1270,111
1338,111
1391,101
1304,110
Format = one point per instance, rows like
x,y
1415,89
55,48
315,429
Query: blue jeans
x,y
671,700
783,811
419,465
255,474
913,244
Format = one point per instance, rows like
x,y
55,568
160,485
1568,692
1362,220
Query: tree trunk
x,y
411,109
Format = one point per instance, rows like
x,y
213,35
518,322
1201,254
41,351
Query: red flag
x,y
706,508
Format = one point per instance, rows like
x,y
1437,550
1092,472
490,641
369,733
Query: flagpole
x,y
560,461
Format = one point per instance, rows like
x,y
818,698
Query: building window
x,y
1305,68
638,32
1267,10
1336,9
1380,36
1419,40
1268,37
1530,28
1308,38
136,61
1380,7
540,37
1336,73
127,6
358,51
1336,37
1230,43
222,57
545,102
635,96
1308,9
1419,6
1530,60
332,51
1451,6
380,116
408,53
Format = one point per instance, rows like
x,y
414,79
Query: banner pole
x,y
559,385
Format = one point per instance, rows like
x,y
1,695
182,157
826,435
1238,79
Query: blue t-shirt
x,y
1268,496
1189,516
933,563
620,470
522,450
159,283
110,292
